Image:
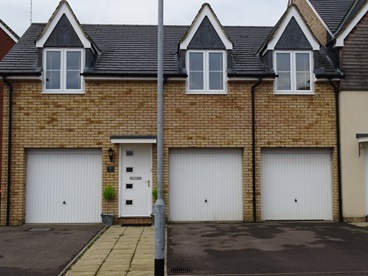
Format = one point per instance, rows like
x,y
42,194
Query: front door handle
x,y
149,183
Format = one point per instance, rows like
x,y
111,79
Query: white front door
x,y
135,180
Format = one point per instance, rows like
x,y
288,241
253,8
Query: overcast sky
x,y
16,13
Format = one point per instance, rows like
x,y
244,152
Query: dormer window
x,y
206,72
62,70
294,70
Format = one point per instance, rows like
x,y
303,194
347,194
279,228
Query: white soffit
x,y
64,9
341,38
206,11
133,140
293,13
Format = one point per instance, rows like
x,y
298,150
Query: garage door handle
x,y
64,202
295,200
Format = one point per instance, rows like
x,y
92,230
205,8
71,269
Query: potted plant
x,y
108,194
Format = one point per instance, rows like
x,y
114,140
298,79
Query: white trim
x,y
119,78
23,78
320,18
206,71
63,69
63,10
236,79
134,141
341,38
206,11
363,140
8,33
290,14
293,91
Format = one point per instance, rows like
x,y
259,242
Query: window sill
x,y
311,93
206,92
63,92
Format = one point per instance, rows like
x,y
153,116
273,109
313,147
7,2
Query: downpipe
x,y
10,119
254,182
338,145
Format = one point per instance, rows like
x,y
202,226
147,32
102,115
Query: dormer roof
x,y
291,19
63,13
206,18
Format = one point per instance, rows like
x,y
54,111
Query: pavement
x,y
119,250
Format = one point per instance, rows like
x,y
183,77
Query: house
x,y
250,129
7,40
343,29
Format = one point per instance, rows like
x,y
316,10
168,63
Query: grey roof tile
x,y
131,50
336,13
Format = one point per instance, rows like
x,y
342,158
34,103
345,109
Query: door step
x,y
136,221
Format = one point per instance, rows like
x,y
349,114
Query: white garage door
x,y
296,185
205,185
63,186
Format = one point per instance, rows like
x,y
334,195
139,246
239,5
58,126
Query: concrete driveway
x,y
42,249
267,249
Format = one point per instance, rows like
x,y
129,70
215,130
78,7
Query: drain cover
x,y
180,270
39,229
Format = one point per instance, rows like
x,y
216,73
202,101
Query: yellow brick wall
x,y
296,121
129,108
314,23
73,121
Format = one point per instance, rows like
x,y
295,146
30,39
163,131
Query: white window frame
x,y
294,90
63,73
206,72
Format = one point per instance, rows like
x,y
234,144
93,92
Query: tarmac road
x,y
45,250
267,249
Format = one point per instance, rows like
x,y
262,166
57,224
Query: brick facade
x,y
314,23
129,108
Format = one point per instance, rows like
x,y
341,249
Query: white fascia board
x,y
63,10
23,78
133,141
119,78
8,33
320,18
293,13
341,38
236,79
363,140
220,31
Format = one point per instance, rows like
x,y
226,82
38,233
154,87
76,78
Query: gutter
x,y
338,145
254,149
9,149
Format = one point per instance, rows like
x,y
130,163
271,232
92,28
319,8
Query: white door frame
x,y
148,174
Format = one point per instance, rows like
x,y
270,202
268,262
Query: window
x,y
294,70
63,69
206,72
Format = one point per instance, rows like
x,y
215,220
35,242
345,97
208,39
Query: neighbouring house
x,y
250,128
343,27
7,40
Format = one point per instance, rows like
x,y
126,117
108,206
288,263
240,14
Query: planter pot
x,y
107,219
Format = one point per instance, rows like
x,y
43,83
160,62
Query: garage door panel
x,y
63,186
205,185
296,185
